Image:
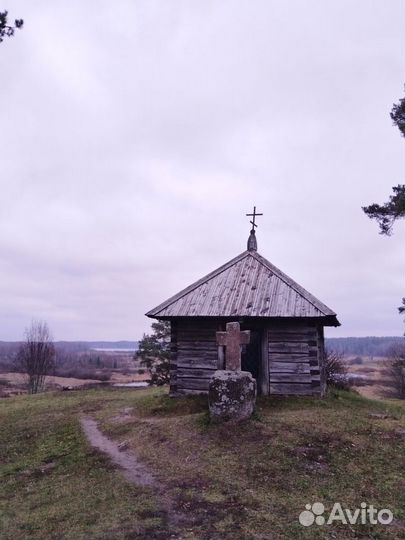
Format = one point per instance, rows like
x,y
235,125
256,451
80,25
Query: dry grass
x,y
377,381
13,383
14,378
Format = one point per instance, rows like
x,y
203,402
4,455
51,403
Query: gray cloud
x,y
135,136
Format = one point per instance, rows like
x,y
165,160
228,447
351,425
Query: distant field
x,y
15,383
80,360
370,377
76,364
250,481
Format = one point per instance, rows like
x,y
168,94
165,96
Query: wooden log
x,y
192,383
192,362
198,335
198,352
299,337
195,364
290,347
193,344
289,367
203,357
289,328
288,357
190,392
276,377
196,344
207,333
294,389
196,372
198,326
189,345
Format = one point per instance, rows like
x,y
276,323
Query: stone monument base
x,y
231,395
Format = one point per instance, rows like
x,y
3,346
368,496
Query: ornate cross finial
x,y
252,242
254,218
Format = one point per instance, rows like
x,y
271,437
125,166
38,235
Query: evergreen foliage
x,y
154,352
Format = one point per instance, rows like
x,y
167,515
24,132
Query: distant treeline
x,y
76,354
365,346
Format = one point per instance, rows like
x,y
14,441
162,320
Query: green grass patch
x,y
233,482
54,485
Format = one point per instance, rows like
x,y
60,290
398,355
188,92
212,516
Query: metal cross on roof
x,y
254,218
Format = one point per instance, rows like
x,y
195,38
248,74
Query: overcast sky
x,y
136,135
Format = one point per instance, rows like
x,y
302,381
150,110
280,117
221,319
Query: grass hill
x,y
231,482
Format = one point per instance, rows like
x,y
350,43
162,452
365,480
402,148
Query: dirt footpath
x,y
135,472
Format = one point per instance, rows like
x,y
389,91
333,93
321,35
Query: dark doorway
x,y
252,356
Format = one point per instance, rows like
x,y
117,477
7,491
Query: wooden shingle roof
x,y
247,286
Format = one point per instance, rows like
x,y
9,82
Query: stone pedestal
x,y
231,395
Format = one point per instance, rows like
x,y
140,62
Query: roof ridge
x,y
293,284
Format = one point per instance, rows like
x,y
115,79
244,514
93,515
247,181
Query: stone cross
x,y
232,339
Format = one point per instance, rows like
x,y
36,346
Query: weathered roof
x,y
247,286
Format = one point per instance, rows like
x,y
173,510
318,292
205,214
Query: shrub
x,y
356,361
78,372
367,369
103,376
336,370
395,367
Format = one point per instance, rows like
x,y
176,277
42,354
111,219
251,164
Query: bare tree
x,y
395,365
36,355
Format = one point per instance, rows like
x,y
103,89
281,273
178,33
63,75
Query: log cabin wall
x,y
194,355
295,353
